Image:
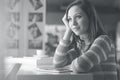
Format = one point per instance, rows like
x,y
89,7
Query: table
x,y
30,72
11,68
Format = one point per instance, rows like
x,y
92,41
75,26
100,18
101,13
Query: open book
x,y
46,65
54,70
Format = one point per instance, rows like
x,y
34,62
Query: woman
x,y
85,45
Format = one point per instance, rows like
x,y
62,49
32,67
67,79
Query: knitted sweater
x,y
98,59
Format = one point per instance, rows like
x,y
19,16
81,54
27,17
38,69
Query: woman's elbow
x,y
79,70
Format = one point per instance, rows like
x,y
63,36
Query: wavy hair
x,y
95,26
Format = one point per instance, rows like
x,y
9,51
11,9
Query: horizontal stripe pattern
x,y
110,59
72,54
64,42
60,57
83,64
93,56
75,66
99,54
62,49
100,51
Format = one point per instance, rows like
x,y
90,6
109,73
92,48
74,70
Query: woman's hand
x,y
65,21
68,31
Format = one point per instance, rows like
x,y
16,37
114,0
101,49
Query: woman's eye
x,y
78,16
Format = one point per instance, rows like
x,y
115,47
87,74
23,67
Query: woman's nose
x,y
74,22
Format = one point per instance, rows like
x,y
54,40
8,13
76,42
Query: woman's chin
x,y
77,33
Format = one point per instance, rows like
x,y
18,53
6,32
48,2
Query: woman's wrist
x,y
65,42
67,35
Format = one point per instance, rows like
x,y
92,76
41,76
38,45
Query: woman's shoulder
x,y
103,38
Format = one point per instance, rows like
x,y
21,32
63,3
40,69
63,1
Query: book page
x,y
52,69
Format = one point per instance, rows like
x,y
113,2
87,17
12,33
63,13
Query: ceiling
x,y
96,2
53,5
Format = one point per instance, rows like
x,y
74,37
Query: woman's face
x,y
78,20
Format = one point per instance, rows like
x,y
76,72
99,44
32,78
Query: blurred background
x,y
30,25
28,22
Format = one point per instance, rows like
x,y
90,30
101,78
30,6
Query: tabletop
x,y
30,72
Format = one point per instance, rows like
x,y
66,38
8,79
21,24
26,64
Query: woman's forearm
x,y
60,57
67,35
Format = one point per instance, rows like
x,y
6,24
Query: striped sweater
x,y
98,59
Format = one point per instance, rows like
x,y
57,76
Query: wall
x,y
54,18
2,39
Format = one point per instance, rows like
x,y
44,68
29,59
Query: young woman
x,y
85,45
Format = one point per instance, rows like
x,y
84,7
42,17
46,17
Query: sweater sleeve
x,y
97,53
64,54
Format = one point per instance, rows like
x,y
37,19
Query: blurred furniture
x,y
11,68
29,72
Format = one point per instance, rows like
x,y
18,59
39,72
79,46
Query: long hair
x,y
95,26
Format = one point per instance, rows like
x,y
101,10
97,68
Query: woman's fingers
x,y
65,21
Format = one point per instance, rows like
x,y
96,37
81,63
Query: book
x,y
46,65
53,70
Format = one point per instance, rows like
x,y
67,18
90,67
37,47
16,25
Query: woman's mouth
x,y
76,28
